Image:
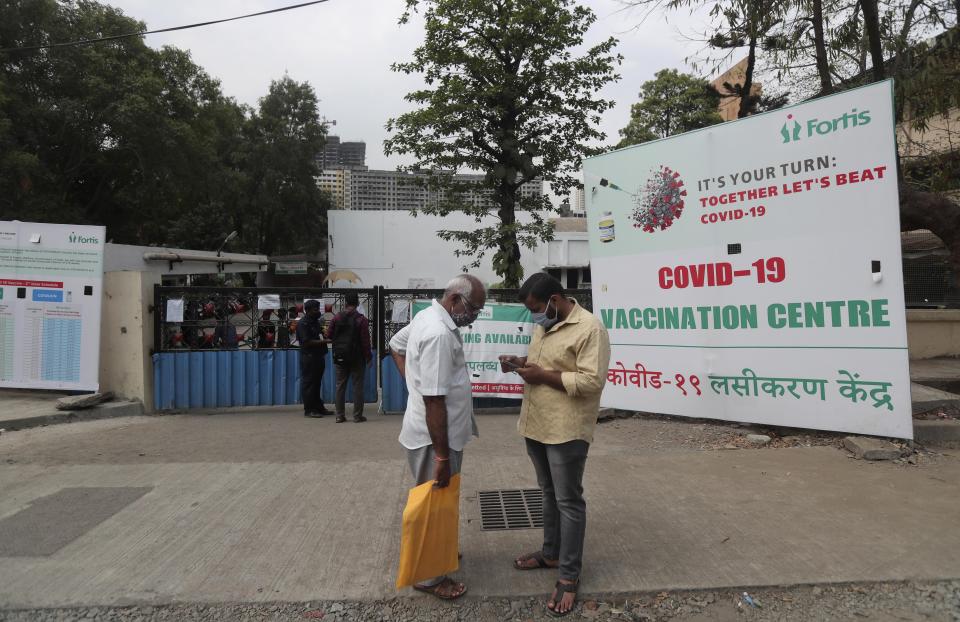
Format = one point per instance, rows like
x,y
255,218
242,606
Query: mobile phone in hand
x,y
511,364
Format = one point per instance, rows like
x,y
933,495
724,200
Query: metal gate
x,y
218,347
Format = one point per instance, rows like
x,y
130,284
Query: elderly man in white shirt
x,y
439,420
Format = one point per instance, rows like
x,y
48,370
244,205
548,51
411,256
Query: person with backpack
x,y
349,332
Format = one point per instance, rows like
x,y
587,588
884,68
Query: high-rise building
x,y
333,182
341,155
578,203
362,189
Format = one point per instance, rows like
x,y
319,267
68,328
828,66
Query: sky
x,y
344,48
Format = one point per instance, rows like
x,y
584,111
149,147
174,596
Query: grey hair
x,y
463,285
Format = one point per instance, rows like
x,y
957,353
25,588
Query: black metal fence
x,y
244,318
928,280
257,318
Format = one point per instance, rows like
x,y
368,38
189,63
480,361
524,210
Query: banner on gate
x,y
500,329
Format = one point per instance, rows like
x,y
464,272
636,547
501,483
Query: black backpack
x,y
346,340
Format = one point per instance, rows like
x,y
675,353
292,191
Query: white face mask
x,y
543,320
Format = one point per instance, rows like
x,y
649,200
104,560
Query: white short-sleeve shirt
x,y
435,365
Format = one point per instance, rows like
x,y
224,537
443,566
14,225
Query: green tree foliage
x,y
816,47
671,103
140,140
283,203
506,94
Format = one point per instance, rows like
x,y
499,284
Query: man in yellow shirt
x,y
564,371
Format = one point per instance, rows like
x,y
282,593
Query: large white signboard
x,y
751,271
51,279
500,329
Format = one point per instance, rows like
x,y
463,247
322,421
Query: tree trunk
x,y
936,212
506,262
871,22
745,91
823,63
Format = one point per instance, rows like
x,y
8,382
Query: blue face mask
x,y
543,320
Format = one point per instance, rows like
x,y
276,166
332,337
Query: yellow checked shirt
x,y
579,347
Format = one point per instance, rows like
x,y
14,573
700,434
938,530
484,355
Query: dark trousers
x,y
355,372
560,475
311,377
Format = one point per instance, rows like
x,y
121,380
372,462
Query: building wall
x,y
933,333
398,250
337,154
332,182
362,189
942,135
126,335
730,106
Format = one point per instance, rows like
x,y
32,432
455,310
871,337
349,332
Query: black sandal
x,y
561,589
537,557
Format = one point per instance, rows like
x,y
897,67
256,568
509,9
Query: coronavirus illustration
x,y
659,202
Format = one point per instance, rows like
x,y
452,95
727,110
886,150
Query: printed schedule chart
x,y
60,358
6,344
51,296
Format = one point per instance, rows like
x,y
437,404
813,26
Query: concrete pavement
x,y
275,507
22,409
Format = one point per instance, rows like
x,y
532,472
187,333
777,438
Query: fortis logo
x,y
73,238
792,130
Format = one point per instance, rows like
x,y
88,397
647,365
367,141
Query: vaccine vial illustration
x,y
606,227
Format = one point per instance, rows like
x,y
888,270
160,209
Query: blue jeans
x,y
560,476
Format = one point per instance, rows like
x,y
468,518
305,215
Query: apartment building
x,y
361,189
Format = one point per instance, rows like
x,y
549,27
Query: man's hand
x,y
509,363
441,473
532,374
401,361
436,406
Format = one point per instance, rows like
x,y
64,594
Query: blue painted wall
x,y
242,378
223,379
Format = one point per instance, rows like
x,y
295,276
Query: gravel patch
x,y
912,601
649,431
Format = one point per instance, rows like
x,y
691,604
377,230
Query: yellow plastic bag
x,y
430,539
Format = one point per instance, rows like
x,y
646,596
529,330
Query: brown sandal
x,y
537,557
559,590
436,590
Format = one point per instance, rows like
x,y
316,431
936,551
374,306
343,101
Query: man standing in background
x,y
349,332
313,354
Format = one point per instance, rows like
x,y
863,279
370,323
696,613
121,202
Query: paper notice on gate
x,y
401,311
268,301
174,310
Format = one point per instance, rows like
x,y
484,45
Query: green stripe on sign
x,y
418,306
497,312
510,313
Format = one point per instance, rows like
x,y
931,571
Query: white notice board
x,y
51,280
751,271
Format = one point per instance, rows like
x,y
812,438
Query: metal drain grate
x,y
511,509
